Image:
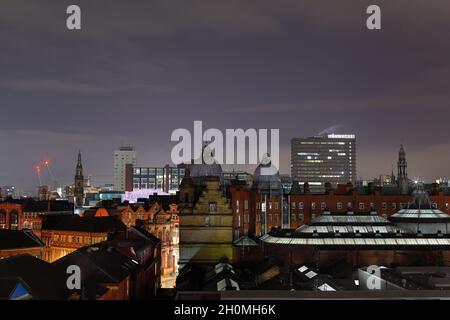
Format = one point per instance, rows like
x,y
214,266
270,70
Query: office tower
x,y
325,158
122,157
166,179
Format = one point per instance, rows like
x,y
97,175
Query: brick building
x,y
18,214
17,242
63,234
159,215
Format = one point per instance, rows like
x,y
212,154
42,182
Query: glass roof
x,y
358,241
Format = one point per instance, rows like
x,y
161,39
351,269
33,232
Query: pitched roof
x,y
87,224
99,264
31,205
39,276
13,288
19,239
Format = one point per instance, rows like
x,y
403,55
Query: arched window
x,y
2,219
14,220
27,225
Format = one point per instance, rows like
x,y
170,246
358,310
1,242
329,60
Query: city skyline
x,y
273,66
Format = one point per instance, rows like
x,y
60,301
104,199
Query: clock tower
x,y
79,183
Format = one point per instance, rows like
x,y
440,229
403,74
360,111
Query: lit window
x,y
213,207
339,206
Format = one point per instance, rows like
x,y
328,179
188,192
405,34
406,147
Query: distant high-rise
x,y
325,158
79,183
122,157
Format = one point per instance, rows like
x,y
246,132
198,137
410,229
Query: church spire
x,y
402,178
79,183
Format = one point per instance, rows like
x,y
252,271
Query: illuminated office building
x,y
326,158
122,157
166,179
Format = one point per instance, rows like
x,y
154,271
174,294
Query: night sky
x,y
140,69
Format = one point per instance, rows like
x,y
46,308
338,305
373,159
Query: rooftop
x,y
76,223
19,239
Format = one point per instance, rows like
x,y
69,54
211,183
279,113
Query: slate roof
x,y
18,239
76,223
31,205
39,276
99,264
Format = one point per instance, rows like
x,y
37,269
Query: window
x,y
446,206
2,219
323,206
301,205
14,220
394,205
293,205
213,207
313,205
301,217
270,218
293,218
361,206
246,204
339,206
276,205
383,206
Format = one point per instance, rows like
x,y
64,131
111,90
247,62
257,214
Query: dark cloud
x,y
139,70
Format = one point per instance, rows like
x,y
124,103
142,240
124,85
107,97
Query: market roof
x,y
349,219
363,242
420,209
349,229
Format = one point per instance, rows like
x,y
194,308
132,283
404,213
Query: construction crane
x,y
47,165
38,172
